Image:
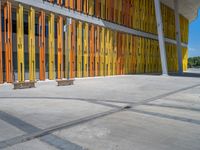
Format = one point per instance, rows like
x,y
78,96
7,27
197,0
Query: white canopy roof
x,y
188,8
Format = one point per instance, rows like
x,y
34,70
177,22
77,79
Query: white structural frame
x,y
161,37
178,37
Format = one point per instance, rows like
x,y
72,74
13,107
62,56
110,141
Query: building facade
x,y
37,43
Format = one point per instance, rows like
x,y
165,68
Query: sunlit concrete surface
x,y
8,131
33,145
107,113
193,70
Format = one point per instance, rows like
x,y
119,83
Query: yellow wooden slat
x,y
102,51
107,33
110,54
86,47
51,47
79,50
114,53
20,43
103,7
31,42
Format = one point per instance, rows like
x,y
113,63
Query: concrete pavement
x,y
164,113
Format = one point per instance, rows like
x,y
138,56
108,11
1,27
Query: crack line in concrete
x,y
167,94
57,142
69,98
173,107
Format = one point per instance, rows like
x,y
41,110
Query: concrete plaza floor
x,y
133,112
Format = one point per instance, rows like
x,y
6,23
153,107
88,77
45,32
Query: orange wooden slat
x,y
60,46
98,8
51,1
59,2
85,7
79,5
72,50
67,3
72,4
8,41
112,10
42,44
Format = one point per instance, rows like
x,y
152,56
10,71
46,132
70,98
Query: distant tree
x,y
194,62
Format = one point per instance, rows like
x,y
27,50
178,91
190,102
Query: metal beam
x,y
178,37
161,37
59,10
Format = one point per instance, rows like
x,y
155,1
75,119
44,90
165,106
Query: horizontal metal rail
x,y
40,4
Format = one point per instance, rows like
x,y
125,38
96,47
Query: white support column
x,y
161,37
66,26
178,37
66,51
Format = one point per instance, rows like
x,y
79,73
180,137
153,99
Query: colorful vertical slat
x,y
42,45
86,49
72,48
8,41
31,44
92,64
102,52
20,42
79,50
51,34
97,51
60,46
91,50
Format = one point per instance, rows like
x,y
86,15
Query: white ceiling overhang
x,y
187,8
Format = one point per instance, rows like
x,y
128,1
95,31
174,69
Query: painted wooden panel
x,y
42,45
51,41
60,47
31,44
8,41
20,42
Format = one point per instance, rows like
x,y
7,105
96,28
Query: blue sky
x,y
194,37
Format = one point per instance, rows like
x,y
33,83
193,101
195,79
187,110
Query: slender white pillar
x,y
161,37
67,23
178,37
